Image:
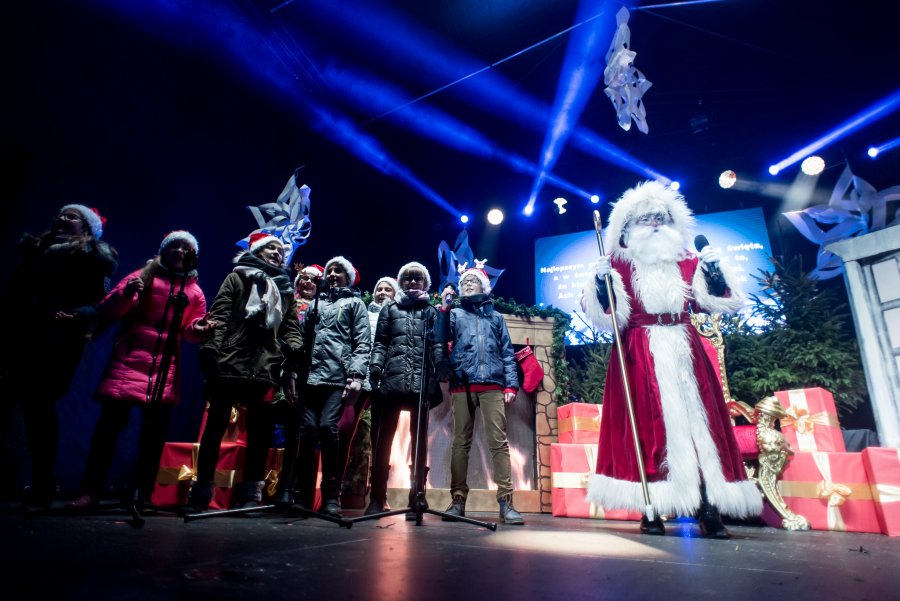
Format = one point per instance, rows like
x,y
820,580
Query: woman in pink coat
x,y
145,302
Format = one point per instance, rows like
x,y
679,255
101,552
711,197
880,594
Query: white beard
x,y
649,245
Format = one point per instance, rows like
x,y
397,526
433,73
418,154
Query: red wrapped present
x,y
883,469
578,423
831,490
571,466
177,468
237,425
812,421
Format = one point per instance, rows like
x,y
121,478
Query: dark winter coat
x,y
71,275
242,348
396,362
146,318
343,341
482,352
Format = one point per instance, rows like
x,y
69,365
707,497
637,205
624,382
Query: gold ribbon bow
x,y
806,422
835,493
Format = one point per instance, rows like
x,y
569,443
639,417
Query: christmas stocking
x,y
532,372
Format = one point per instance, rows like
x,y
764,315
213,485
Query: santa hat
x,y
644,199
419,267
349,269
314,271
259,239
91,216
391,282
179,236
479,272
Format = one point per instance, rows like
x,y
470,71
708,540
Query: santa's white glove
x,y
604,266
709,255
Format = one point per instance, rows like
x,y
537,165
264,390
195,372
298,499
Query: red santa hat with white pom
x,y
477,271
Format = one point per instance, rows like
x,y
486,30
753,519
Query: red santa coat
x,y
683,424
133,367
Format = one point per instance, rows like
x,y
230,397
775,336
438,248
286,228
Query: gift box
x,y
831,490
578,423
571,466
812,421
237,425
177,469
883,470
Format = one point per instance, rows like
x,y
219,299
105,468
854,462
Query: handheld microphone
x,y
712,269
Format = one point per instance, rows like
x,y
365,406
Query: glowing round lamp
x,y
727,179
464,218
872,152
595,199
813,165
495,216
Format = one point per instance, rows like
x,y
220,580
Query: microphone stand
x,y
418,504
287,476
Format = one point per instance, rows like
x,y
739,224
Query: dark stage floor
x,y
102,557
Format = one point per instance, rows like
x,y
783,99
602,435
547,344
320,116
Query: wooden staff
x,y
648,508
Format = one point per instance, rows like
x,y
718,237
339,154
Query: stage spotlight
x,y
727,179
595,199
773,170
872,152
560,205
528,210
675,185
813,165
464,218
495,216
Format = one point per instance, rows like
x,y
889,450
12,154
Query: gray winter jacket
x,y
343,341
482,352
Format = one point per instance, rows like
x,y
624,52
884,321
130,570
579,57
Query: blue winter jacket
x,y
482,352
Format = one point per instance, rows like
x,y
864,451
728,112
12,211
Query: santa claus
x,y
692,462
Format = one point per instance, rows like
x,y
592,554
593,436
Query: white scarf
x,y
269,303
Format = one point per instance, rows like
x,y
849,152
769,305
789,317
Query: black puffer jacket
x,y
399,342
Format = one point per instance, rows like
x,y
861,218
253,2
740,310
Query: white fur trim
x,y
690,450
391,281
258,244
179,235
90,217
482,277
594,310
349,269
420,267
647,197
718,304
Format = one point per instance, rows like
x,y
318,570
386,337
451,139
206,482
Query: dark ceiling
x,y
179,114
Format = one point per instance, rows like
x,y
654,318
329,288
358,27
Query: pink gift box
x,y
831,490
578,423
571,465
812,423
883,469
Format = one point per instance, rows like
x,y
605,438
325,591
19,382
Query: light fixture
x,y
813,165
495,216
872,152
560,205
595,199
727,179
464,218
773,170
675,185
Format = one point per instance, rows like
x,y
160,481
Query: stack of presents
x,y
178,466
833,489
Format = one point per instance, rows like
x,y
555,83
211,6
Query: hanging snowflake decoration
x,y
855,208
625,85
287,218
449,261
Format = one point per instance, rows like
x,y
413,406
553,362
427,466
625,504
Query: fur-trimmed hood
x,y
646,198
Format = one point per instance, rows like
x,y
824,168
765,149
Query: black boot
x,y
710,522
377,505
508,513
199,498
655,527
249,495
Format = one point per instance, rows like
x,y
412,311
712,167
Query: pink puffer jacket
x,y
146,318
